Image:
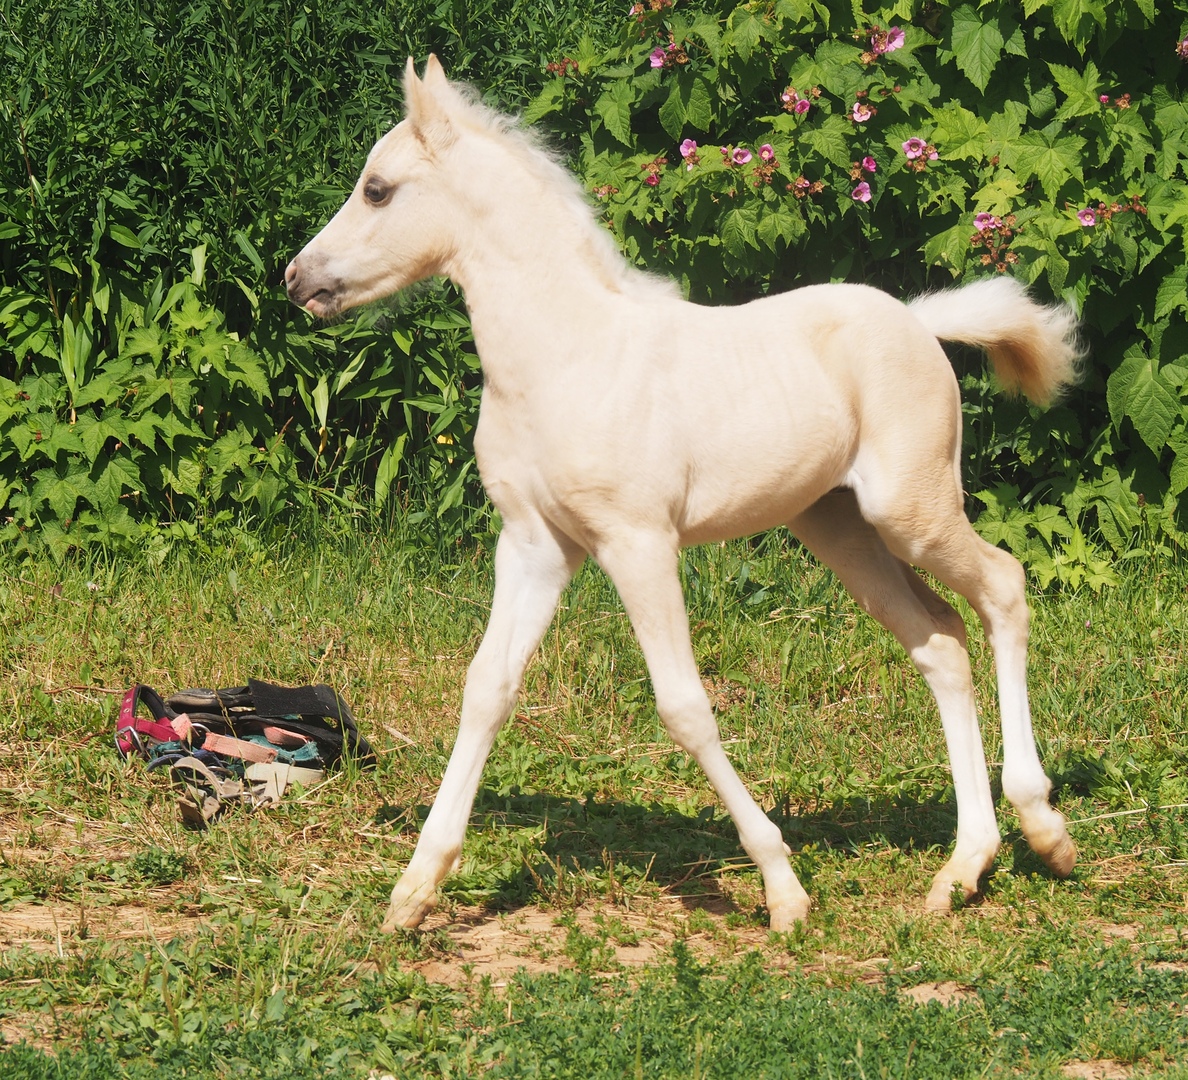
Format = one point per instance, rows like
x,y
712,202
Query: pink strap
x,y
157,729
287,740
239,748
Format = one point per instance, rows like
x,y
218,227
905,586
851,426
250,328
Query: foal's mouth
x,y
322,303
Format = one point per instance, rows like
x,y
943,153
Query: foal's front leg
x,y
644,570
532,566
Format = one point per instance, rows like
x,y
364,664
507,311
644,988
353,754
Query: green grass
x,y
131,945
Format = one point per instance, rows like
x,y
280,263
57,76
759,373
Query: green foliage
x,y
160,166
148,149
1062,128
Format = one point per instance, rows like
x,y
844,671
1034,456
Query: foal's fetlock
x,y
409,905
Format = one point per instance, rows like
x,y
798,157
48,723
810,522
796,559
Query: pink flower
x,y
861,193
802,106
688,147
885,41
913,148
932,155
657,57
741,155
766,152
788,97
984,221
861,112
1087,217
869,164
1182,49
652,179
1104,98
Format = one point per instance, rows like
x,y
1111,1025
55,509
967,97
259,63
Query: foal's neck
x,y
536,289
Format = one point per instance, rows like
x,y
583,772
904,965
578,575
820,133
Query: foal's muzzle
x,y
306,291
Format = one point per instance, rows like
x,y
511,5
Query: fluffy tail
x,y
1032,348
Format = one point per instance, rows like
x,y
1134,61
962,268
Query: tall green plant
x,y
743,149
135,135
793,142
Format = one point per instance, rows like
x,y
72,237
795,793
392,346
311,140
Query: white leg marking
x,y
644,570
934,636
532,566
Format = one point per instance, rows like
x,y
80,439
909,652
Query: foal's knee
x,y
687,717
490,688
943,658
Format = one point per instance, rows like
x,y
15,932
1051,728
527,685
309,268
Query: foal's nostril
x,y
292,275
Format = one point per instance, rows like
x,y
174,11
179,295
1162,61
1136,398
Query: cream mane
x,y
547,165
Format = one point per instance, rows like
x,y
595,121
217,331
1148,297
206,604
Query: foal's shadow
x,y
566,849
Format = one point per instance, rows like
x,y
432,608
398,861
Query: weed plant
x,y
131,945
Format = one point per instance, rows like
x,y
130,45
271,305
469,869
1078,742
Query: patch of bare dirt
x,y
57,927
1120,931
947,993
534,940
33,1028
1096,1070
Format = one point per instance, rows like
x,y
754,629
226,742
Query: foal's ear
x,y
425,104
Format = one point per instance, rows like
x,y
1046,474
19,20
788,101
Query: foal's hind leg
x,y
643,567
934,636
532,566
993,582
938,538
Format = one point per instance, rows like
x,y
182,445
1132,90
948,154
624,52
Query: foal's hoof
x,y
939,900
1047,835
1062,858
785,917
409,906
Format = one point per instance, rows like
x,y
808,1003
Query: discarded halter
x,y
243,744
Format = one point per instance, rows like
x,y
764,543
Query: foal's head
x,y
400,224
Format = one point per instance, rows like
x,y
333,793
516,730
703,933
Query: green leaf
x,y
780,224
690,102
246,246
831,140
549,100
1074,18
950,247
62,488
977,45
1138,390
119,475
1000,196
1050,157
747,29
959,133
614,107
125,236
185,480
1080,89
95,432
389,466
738,230
1179,470
1172,293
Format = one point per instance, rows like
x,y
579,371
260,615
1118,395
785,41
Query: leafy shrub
x,y
165,163
743,149
793,142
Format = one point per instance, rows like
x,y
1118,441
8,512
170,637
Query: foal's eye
x,y
377,192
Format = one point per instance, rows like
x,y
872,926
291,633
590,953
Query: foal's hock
x,y
615,423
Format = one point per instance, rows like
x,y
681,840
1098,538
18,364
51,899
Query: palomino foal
x,y
617,420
